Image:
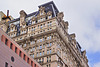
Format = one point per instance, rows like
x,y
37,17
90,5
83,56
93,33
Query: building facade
x,y
44,35
4,19
12,55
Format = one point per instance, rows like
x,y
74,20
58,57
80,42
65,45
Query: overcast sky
x,y
83,17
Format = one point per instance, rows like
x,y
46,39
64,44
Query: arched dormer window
x,y
12,27
49,15
24,24
33,20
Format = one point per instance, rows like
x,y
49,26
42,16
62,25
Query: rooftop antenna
x,y
7,13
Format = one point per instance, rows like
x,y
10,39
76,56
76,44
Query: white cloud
x,y
97,64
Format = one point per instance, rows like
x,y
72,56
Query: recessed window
x,y
12,59
28,60
20,53
11,46
6,64
15,49
6,41
31,63
24,57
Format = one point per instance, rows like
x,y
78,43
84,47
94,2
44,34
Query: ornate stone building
x,y
44,35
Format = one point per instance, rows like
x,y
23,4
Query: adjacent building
x,y
12,55
44,35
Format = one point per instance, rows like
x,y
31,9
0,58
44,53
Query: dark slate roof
x,y
50,6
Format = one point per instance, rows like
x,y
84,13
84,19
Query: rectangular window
x,y
15,49
34,28
33,55
27,60
6,41
11,46
40,53
42,60
40,46
33,48
43,52
37,54
31,63
50,51
20,53
49,65
50,44
35,65
24,57
47,51
6,64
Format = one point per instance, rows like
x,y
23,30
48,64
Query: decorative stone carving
x,y
60,16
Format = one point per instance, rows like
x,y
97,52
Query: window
x,y
35,65
6,64
50,37
42,60
50,51
37,47
50,44
43,46
43,19
40,53
40,40
24,57
43,52
58,66
49,17
41,26
33,22
33,55
34,28
6,41
40,46
15,49
43,39
47,51
31,63
20,53
25,45
27,60
37,54
50,23
33,48
11,46
49,65
47,59
47,38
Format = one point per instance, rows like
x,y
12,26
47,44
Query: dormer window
x,y
25,45
12,30
41,13
39,20
43,19
33,22
23,26
49,17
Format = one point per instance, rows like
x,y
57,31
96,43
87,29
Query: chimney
x,y
7,13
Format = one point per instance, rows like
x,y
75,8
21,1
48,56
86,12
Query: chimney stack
x,y
7,13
